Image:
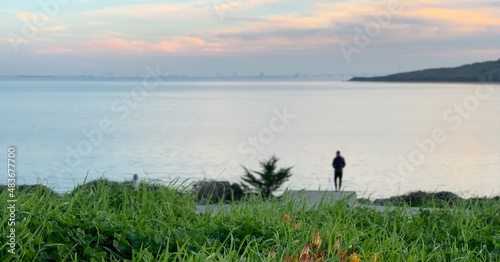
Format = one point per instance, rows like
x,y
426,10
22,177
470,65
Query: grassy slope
x,y
489,70
113,222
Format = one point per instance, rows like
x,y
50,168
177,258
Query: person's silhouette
x,y
338,165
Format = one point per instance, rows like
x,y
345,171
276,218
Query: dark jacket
x,y
338,163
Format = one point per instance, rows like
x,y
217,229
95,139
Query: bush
x,y
437,199
44,190
269,180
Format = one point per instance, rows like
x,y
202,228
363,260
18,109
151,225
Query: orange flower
x,y
317,239
374,258
295,224
343,256
319,256
287,218
354,258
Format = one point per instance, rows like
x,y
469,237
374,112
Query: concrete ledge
x,y
312,197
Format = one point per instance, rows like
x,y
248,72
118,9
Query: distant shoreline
x,y
305,77
228,79
276,79
180,78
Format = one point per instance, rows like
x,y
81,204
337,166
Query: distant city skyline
x,y
241,37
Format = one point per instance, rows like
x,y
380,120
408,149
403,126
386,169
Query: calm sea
x,y
395,137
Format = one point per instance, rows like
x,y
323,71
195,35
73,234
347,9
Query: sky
x,y
244,37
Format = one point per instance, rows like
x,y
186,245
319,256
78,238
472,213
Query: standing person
x,y
338,165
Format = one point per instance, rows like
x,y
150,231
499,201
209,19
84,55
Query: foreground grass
x,y
114,222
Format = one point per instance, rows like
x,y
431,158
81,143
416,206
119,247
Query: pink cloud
x,y
268,32
136,10
459,17
117,44
27,15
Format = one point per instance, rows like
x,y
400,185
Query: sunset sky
x,y
244,37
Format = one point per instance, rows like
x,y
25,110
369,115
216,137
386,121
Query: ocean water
x,y
395,137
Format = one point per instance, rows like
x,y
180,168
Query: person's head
x,y
338,153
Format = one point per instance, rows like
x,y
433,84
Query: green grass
x,y
107,221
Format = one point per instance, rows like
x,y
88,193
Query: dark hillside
x,y
478,72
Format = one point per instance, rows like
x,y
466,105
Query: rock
x,y
217,191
